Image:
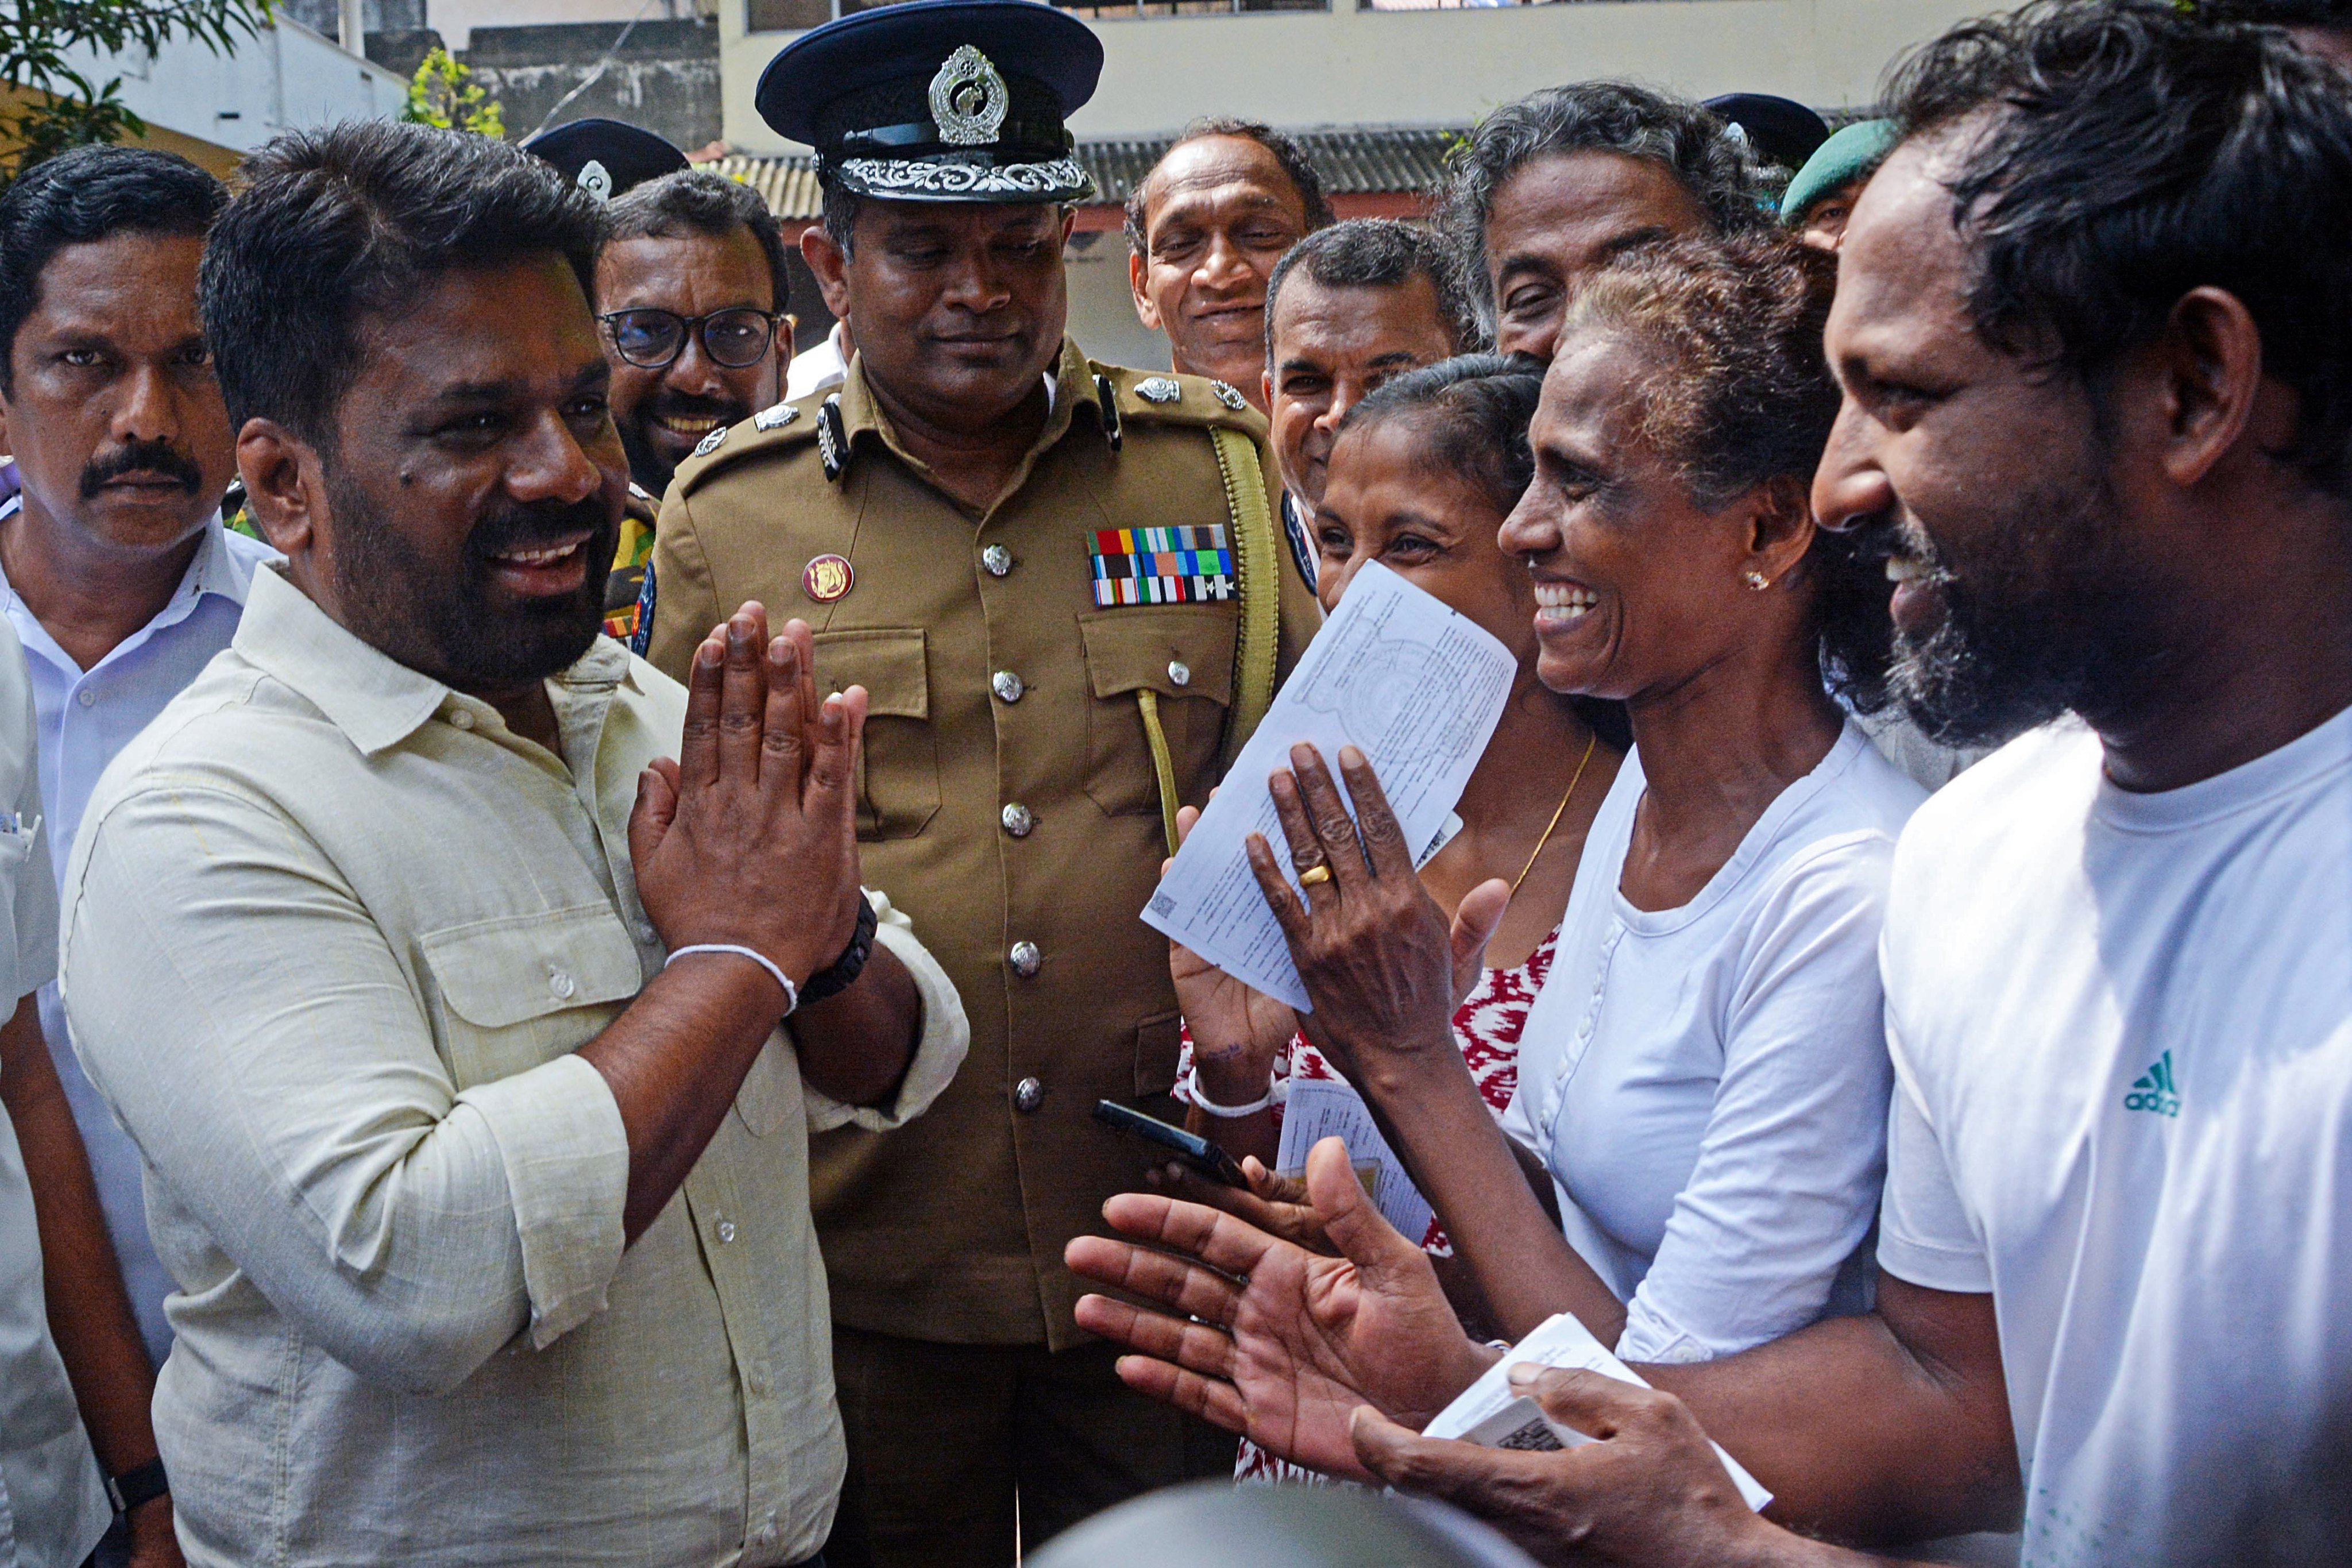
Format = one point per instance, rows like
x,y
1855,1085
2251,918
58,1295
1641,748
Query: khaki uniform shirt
x,y
952,1229
332,935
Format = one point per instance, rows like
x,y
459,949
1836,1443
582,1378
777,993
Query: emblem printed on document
x,y
1161,565
827,578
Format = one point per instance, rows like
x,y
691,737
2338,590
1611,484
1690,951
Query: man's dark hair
x,y
1377,253
2128,153
2281,13
699,201
1717,168
83,196
1295,167
1739,394
341,224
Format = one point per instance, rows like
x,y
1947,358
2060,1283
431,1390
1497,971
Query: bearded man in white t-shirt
x,y
2094,326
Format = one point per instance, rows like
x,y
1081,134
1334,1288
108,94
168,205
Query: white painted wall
x,y
456,20
1347,67
286,76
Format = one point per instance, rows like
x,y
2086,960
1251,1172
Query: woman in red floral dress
x,y
1421,478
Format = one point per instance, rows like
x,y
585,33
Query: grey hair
x,y
1719,169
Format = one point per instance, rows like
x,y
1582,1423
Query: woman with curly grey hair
x,y
1705,1074
1551,187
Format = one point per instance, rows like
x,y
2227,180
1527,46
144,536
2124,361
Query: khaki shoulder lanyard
x,y
1255,650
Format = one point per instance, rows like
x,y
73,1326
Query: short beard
x,y
2055,620
445,627
653,471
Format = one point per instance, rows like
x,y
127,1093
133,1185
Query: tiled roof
x,y
1354,159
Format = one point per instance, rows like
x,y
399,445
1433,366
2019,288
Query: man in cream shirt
x,y
474,1103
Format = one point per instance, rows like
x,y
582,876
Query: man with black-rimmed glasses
x,y
691,288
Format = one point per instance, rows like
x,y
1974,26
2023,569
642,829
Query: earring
x,y
1756,580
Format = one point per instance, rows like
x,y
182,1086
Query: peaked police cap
x,y
939,99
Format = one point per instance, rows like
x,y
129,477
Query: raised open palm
x,y
1288,1345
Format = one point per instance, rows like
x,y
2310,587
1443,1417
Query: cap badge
x,y
711,443
827,578
1158,389
1229,396
595,180
775,419
969,100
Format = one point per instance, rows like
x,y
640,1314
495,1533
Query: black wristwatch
x,y
838,977
142,1484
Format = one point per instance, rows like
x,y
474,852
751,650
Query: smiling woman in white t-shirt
x,y
1704,1073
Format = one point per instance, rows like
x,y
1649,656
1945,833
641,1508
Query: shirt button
x,y
1018,820
725,1230
1007,685
997,560
1179,672
461,720
1028,1095
86,697
1025,959
560,984
645,932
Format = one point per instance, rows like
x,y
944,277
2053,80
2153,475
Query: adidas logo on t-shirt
x,y
2153,1090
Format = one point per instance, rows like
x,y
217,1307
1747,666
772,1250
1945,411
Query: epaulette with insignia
x,y
1159,397
777,428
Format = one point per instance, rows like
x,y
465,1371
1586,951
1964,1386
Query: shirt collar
x,y
370,696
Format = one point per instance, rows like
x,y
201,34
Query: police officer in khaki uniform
x,y
1064,589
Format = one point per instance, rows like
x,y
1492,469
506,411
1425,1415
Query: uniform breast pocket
x,y
1183,655
514,992
898,767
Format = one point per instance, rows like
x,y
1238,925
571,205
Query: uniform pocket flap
x,y
889,662
495,972
1176,650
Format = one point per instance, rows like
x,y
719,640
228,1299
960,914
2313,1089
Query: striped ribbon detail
x,y
1161,565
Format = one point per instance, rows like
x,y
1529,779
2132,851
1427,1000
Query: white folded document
x,y
1491,1415
1412,683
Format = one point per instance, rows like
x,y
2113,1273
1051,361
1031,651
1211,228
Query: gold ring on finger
x,y
1314,876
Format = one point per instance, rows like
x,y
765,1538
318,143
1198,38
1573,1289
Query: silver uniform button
x,y
1028,1095
725,1230
461,720
1025,959
560,984
997,560
1007,686
1017,819
1179,672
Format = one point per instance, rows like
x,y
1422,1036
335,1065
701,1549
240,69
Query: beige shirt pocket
x,y
496,984
1184,655
899,766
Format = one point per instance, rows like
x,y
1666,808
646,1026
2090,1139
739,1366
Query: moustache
x,y
142,457
541,524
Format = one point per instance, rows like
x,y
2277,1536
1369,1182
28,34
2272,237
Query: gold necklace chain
x,y
1558,811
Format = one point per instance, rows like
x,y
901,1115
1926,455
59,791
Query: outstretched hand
x,y
1380,960
1275,1204
1286,1345
1649,1490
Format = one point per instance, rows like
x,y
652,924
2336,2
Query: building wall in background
x,y
665,77
284,77
457,19
1345,66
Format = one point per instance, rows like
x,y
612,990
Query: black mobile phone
x,y
1195,1152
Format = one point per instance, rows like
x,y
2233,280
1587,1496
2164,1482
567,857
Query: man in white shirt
x,y
2108,458
53,1500
118,578
474,1101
